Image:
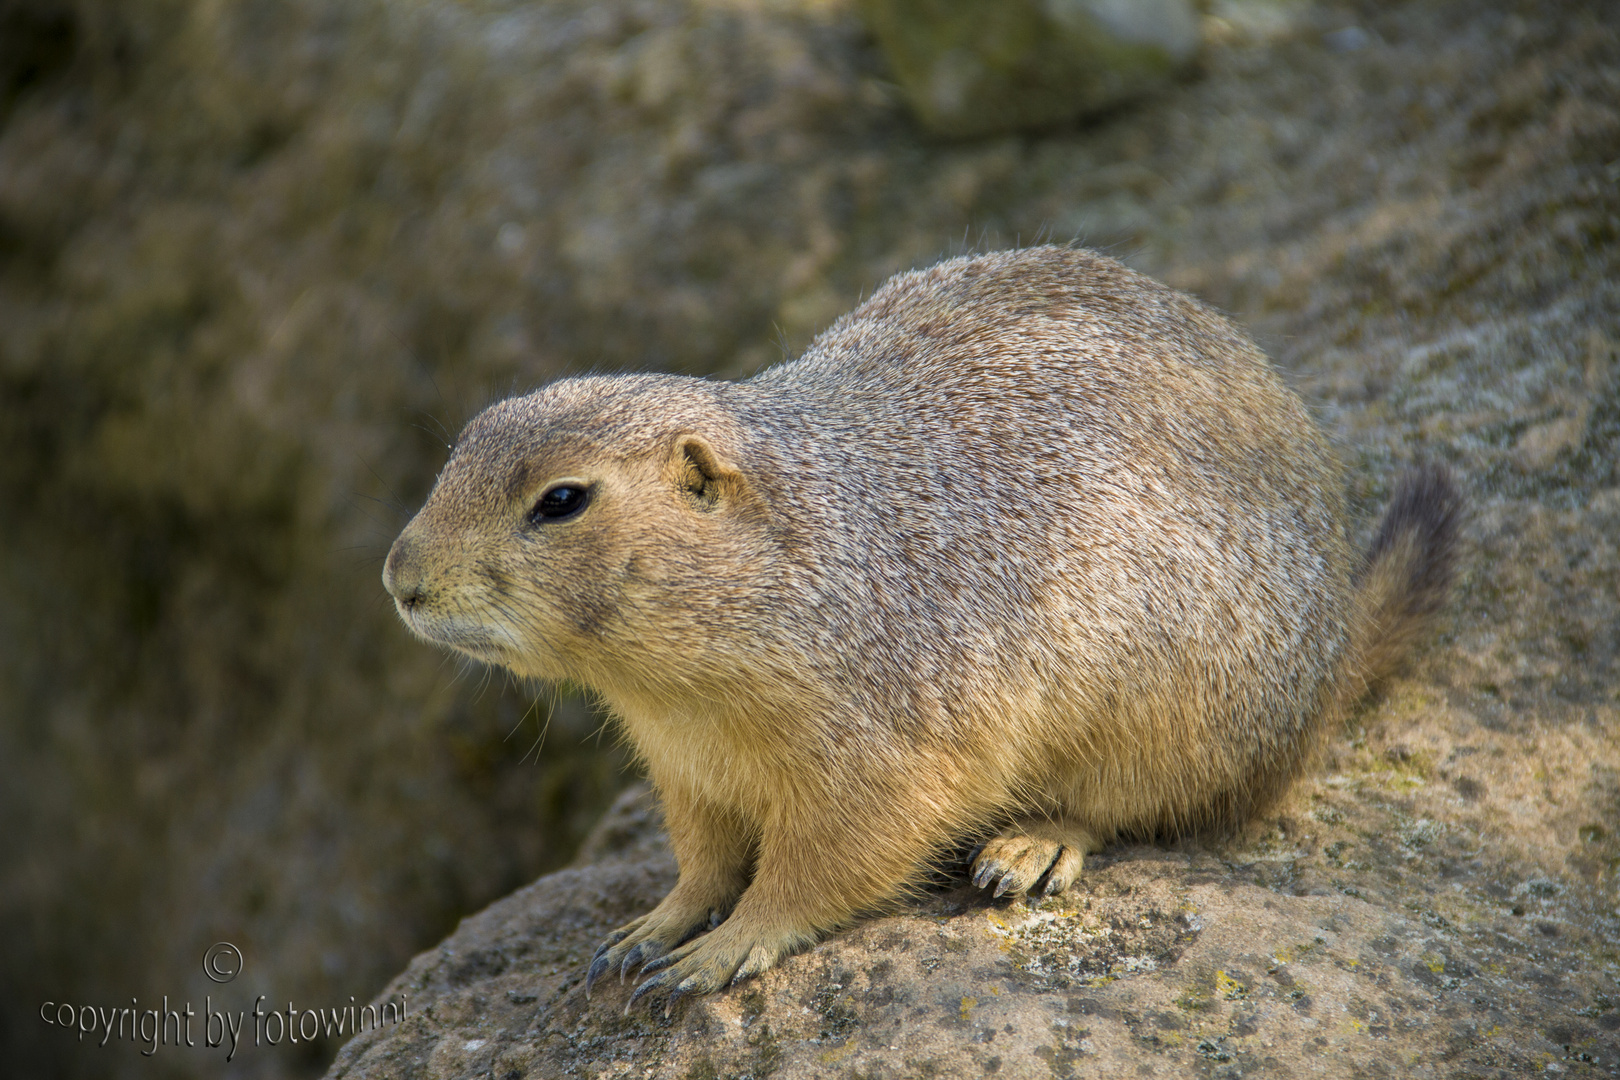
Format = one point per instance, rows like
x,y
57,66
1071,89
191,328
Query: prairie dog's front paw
x,y
712,963
648,938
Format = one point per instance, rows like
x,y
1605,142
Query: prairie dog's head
x,y
595,530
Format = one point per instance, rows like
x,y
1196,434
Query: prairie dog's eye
x,y
560,502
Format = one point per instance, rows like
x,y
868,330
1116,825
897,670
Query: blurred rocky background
x,y
968,67
260,260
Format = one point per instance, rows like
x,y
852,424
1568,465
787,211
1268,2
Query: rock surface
x,y
248,264
984,67
1256,961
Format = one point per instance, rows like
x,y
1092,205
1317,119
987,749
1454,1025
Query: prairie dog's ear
x,y
704,473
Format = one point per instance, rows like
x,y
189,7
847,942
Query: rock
x,y
1228,22
1542,445
980,67
1251,958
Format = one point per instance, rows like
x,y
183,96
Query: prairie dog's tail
x,y
1408,573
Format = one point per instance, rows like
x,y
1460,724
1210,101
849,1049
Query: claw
x,y
982,878
645,988
1005,884
613,939
599,964
600,961
650,952
676,994
755,962
658,963
631,958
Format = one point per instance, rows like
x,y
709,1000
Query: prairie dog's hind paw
x,y
1029,851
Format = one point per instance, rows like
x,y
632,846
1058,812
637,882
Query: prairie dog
x,y
1028,549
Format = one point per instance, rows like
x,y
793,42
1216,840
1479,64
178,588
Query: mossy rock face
x,y
972,67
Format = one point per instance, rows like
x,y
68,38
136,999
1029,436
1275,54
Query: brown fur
x,y
1027,548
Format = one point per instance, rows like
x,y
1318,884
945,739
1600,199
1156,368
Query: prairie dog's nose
x,y
402,572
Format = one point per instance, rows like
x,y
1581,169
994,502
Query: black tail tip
x,y
1427,510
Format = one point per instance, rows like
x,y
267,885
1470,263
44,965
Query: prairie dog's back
x,y
1042,473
